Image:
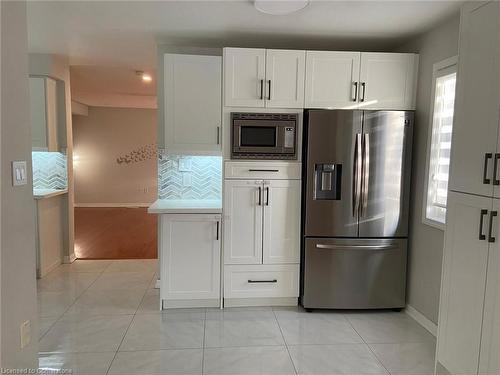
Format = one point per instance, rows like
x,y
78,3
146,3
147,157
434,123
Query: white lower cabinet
x,y
261,232
261,281
469,317
190,259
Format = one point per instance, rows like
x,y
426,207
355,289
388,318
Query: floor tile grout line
x,y
368,346
284,341
73,303
130,324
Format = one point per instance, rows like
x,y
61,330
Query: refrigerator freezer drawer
x,y
354,273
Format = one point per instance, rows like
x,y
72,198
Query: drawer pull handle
x,y
354,247
264,170
491,239
487,157
482,214
262,281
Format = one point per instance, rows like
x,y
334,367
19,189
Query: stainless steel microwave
x,y
264,135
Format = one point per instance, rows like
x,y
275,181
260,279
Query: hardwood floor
x,y
115,233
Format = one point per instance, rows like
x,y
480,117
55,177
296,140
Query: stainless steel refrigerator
x,y
356,180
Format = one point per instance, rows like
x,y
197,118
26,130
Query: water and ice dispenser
x,y
327,181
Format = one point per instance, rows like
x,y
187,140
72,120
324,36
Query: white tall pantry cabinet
x,y
469,317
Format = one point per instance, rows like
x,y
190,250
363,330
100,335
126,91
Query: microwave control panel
x,y
289,137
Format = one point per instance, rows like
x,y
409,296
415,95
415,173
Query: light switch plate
x,y
19,173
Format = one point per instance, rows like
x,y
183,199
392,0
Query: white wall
x,y
99,139
426,243
18,285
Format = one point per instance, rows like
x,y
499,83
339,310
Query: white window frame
x,y
440,69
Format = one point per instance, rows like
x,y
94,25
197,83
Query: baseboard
x,y
126,205
189,303
250,302
50,268
422,320
68,259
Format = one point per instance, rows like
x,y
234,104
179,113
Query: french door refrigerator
x,y
356,199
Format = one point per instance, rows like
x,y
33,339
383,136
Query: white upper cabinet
x,y
332,79
285,78
191,256
465,262
478,100
43,113
263,78
281,232
387,81
243,221
244,77
192,91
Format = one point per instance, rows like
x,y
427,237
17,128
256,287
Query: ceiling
x,y
125,33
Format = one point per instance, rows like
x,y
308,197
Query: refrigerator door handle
x,y
357,176
355,247
365,173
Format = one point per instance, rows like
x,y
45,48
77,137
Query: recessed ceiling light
x,y
280,7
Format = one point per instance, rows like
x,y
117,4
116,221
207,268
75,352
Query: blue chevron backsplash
x,y
49,170
175,171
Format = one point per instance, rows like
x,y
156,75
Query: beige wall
x,y
426,242
17,286
99,139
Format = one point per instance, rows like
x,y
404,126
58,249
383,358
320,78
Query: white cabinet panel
x,y
285,71
192,103
261,281
190,257
244,76
490,344
331,79
387,81
478,97
463,284
243,221
281,221
43,113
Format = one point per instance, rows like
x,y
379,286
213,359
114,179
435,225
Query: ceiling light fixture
x,y
280,7
145,76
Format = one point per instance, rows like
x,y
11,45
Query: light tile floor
x,y
102,317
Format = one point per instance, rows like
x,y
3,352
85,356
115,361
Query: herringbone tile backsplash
x,y
189,177
49,170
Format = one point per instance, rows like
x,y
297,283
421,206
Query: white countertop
x,y
47,193
186,206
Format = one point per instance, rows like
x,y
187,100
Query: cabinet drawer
x,y
263,170
261,281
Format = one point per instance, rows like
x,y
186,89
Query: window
x,y
439,144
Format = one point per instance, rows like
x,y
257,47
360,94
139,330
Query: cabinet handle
x,y
264,170
217,233
482,236
218,135
496,181
262,281
269,96
261,89
491,239
363,86
487,157
267,196
260,196
355,91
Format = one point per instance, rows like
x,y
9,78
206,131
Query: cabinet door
x,y
285,70
331,79
190,257
463,285
478,97
192,103
490,343
281,221
38,113
243,221
51,114
244,76
388,81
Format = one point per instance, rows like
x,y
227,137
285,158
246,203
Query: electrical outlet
x,y
25,331
186,179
